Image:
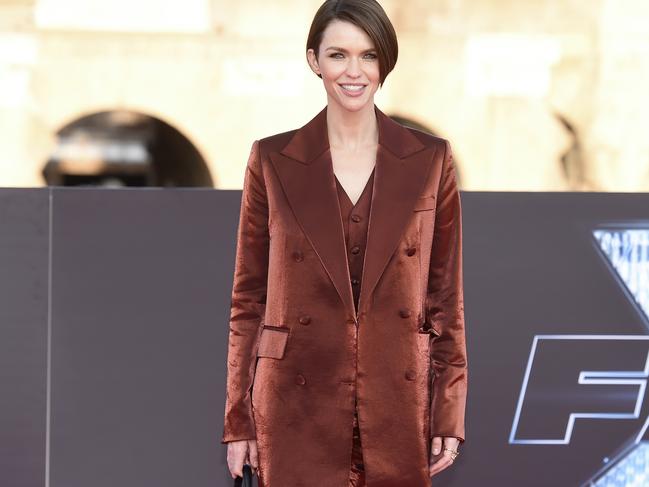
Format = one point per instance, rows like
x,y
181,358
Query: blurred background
x,y
534,95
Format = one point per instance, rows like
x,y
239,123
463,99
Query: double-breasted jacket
x,y
299,353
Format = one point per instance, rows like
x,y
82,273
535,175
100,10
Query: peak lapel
x,y
402,165
305,170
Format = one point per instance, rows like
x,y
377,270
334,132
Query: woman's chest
x,y
353,169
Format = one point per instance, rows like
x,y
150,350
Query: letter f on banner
x,y
570,377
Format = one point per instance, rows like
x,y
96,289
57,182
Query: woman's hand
x,y
444,459
240,452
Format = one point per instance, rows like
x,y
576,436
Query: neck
x,y
351,130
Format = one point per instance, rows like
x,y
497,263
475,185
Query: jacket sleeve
x,y
248,301
445,309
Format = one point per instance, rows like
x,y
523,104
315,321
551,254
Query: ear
x,y
313,61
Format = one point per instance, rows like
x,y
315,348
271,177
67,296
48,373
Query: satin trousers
x,y
357,469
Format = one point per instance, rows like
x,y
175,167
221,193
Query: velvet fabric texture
x,y
300,353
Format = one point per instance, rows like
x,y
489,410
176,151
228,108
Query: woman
x,y
347,360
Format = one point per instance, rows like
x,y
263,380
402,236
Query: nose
x,y
353,68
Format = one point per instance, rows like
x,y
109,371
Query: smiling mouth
x,y
352,88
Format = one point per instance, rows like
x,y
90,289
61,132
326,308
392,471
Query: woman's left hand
x,y
439,457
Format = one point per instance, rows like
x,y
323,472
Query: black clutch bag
x,y
246,480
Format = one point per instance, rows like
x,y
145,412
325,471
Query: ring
x,y
454,453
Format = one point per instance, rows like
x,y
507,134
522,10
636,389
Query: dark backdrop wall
x,y
113,330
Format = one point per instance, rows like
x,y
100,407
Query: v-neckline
x,y
367,182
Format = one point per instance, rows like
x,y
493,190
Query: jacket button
x,y
410,374
355,282
411,251
356,249
305,320
404,313
298,256
300,380
356,218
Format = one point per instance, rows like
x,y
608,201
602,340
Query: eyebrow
x,y
345,50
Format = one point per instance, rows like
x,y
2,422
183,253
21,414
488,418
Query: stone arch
x,y
123,147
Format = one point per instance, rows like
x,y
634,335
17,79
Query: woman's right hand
x,y
240,452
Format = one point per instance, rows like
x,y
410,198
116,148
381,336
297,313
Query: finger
x,y
439,467
236,459
236,469
230,458
252,450
451,442
444,462
437,445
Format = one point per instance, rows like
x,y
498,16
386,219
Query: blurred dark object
x,y
246,480
124,148
573,163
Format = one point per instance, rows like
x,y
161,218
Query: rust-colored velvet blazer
x,y
298,353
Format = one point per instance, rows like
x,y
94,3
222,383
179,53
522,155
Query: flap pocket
x,y
425,203
272,342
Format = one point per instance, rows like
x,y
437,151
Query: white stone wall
x,y
487,74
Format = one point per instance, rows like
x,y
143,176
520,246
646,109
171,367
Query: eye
x,y
336,54
372,55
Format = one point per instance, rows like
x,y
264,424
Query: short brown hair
x,y
369,16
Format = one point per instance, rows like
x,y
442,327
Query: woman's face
x,y
348,64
